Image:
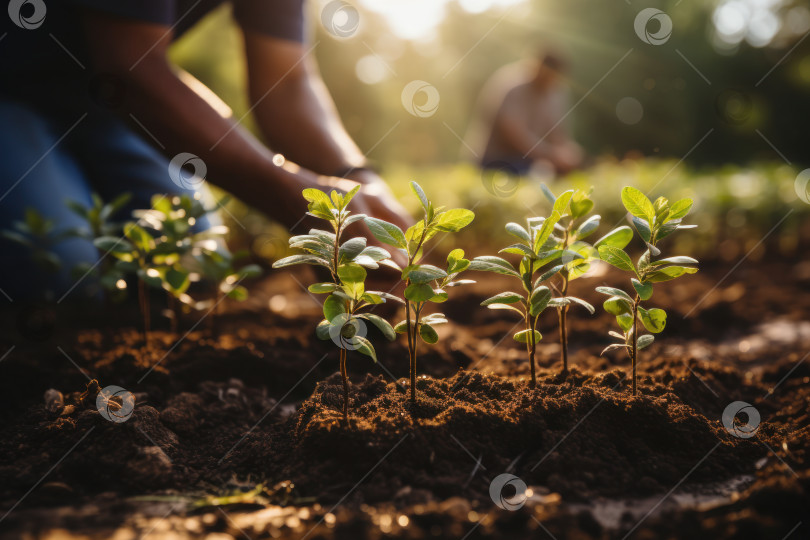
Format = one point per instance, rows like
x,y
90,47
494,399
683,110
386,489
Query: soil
x,y
236,429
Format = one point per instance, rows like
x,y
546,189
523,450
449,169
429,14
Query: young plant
x,y
535,297
424,283
576,254
653,222
135,255
98,220
346,262
38,235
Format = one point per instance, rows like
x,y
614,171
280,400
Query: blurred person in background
x,y
519,119
90,102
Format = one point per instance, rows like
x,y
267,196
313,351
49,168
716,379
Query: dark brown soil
x,y
218,413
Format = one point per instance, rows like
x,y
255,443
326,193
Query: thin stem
x,y
143,300
563,310
345,378
413,328
531,346
634,344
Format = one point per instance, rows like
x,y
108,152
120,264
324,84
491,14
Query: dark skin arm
x,y
298,118
184,122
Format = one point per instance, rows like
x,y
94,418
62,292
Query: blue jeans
x,y
43,163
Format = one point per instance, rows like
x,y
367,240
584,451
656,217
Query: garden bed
x,y
223,413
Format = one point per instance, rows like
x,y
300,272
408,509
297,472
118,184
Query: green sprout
x,y
98,219
346,262
38,235
135,253
424,283
653,222
576,254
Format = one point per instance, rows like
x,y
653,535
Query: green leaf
x,y
524,335
547,192
333,306
562,202
505,306
644,341
519,249
655,320
300,259
518,231
318,197
177,280
453,220
347,198
386,296
419,292
141,239
351,248
249,271
679,209
381,324
487,263
422,273
322,288
428,333
588,227
539,300
401,327
616,305
618,238
351,273
364,346
110,244
581,204
420,193
616,257
643,229
440,296
503,298
387,233
612,291
548,274
322,330
582,303
644,290
545,230
669,273
625,321
238,293
637,203
679,260
456,262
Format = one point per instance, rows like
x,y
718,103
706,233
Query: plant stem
x,y
634,345
143,300
530,343
563,312
345,377
411,347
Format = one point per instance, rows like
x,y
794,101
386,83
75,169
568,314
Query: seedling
x,y
37,234
653,222
98,224
135,252
576,254
346,262
424,282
